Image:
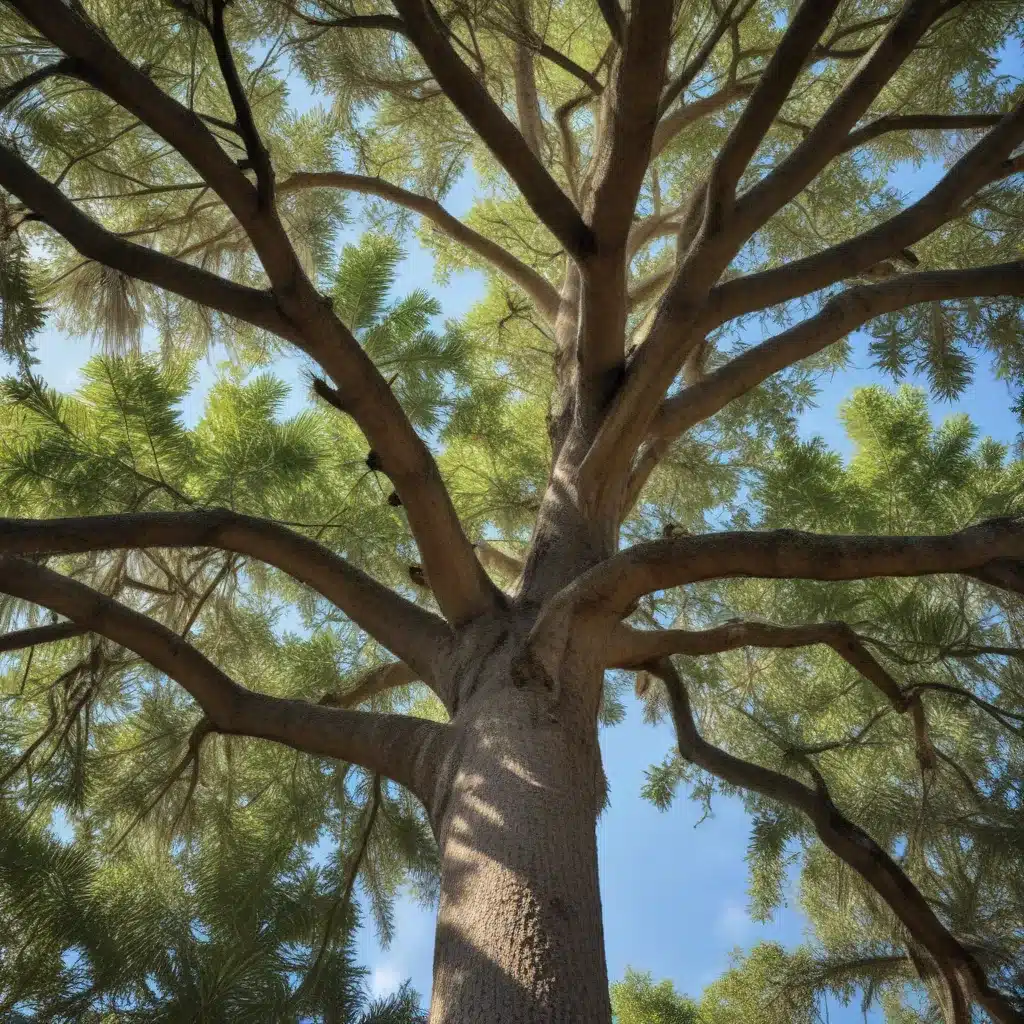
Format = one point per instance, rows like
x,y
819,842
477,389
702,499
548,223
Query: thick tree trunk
x,y
519,934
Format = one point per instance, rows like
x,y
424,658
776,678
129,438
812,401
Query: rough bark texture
x,y
519,934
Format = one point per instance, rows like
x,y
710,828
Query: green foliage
x,y
21,315
422,367
759,987
955,828
638,1000
205,878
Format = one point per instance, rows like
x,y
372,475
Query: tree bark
x,y
519,934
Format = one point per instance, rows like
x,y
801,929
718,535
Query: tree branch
x,y
96,243
105,68
685,78
689,113
829,136
21,638
402,748
498,561
257,152
604,470
536,286
541,192
618,169
632,648
11,92
962,973
376,680
991,551
841,315
886,123
987,161
306,319
614,18
411,632
531,123
559,59
771,91
344,900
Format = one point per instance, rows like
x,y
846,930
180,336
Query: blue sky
x,y
674,890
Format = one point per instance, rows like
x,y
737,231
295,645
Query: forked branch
x,y
963,976
96,243
632,648
300,313
989,160
841,315
618,169
411,632
830,135
542,193
394,745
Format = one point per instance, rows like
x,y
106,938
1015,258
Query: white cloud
x,y
733,923
385,979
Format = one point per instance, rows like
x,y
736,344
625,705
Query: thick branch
x,y
632,118
829,136
992,550
987,161
614,18
498,561
531,124
723,227
462,588
536,286
541,192
96,243
618,170
402,748
786,63
840,316
672,334
22,638
851,844
411,632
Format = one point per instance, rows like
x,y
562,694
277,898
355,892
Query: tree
x,y
654,184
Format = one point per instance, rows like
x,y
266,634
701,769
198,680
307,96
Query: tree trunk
x,y
519,934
